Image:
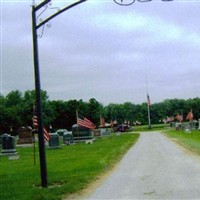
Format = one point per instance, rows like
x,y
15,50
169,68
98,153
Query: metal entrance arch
x,y
130,2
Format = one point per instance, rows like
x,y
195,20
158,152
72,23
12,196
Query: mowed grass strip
x,y
154,127
70,168
189,140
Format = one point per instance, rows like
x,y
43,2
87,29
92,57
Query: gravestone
x,y
54,141
105,131
25,135
178,126
61,132
68,138
172,124
8,145
188,127
195,124
81,133
96,132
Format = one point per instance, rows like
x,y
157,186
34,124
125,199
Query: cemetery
x,y
27,137
70,168
74,157
192,125
77,157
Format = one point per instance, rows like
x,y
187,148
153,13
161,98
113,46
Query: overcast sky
x,y
101,50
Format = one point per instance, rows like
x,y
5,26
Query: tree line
x,y
17,110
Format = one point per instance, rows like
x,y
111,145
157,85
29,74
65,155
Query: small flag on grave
x,y
35,125
190,116
83,121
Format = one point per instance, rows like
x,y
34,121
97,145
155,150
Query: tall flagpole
x,y
148,107
148,100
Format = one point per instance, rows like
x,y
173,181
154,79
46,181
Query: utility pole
x,y
35,27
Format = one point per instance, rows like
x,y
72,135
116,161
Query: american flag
x,y
190,116
46,134
35,125
35,121
148,100
83,121
179,118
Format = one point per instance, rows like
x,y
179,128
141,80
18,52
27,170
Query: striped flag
x,y
179,117
148,100
46,135
190,116
35,125
170,119
83,121
35,121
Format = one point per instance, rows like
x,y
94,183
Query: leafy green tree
x,y
14,98
17,109
3,115
11,108
60,114
94,109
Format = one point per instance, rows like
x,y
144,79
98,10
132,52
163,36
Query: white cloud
x,y
156,28
120,22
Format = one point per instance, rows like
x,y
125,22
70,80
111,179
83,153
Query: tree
x,y
94,109
17,109
60,114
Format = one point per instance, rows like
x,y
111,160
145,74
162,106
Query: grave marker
x,y
68,138
54,141
8,145
25,135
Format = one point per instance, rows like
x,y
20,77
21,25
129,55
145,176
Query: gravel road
x,y
155,168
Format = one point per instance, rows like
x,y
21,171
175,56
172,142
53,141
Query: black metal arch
x,y
35,27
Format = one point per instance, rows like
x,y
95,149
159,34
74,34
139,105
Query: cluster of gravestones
x,y
187,126
26,138
54,139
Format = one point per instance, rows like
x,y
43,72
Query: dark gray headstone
x,y
68,138
81,133
105,131
8,145
54,140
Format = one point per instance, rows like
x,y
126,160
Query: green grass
x,y
154,127
189,140
70,168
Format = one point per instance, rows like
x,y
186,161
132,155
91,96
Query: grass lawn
x,y
189,140
154,127
70,168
